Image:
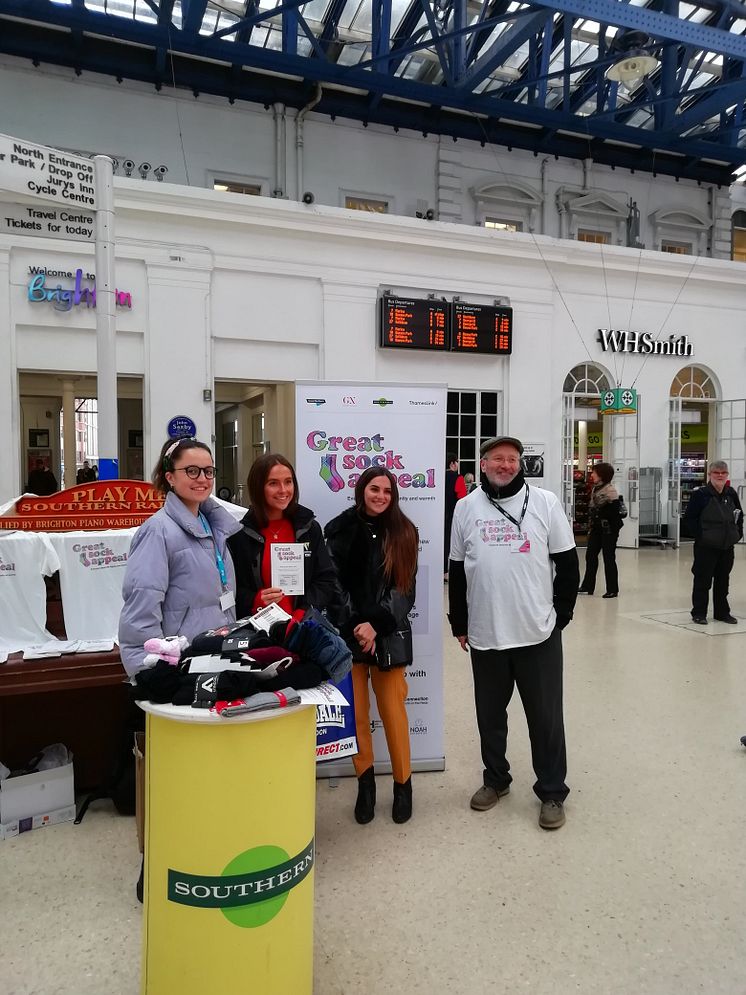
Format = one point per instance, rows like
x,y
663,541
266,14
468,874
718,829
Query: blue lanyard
x,y
218,557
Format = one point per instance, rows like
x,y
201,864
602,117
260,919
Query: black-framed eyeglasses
x,y
193,472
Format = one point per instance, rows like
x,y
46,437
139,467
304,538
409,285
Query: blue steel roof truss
x,y
527,74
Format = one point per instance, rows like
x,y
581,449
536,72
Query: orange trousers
x,y
390,687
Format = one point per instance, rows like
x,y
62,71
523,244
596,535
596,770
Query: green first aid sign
x,y
619,401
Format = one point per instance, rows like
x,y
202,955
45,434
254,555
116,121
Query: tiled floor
x,y
642,892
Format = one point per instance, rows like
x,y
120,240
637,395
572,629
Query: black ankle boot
x,y
401,810
365,806
140,882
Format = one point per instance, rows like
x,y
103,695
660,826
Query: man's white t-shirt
x,y
509,576
92,566
26,558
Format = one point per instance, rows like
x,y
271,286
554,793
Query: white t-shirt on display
x,y
26,558
509,576
92,566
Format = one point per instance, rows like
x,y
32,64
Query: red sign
x,y
106,504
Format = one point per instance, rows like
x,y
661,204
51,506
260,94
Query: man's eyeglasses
x,y
193,472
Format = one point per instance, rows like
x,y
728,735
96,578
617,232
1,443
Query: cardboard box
x,y
35,800
139,751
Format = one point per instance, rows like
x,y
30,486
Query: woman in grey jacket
x,y
180,578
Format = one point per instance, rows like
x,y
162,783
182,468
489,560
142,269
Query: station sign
x,y
46,174
46,221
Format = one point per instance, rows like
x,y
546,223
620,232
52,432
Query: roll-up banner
x,y
343,428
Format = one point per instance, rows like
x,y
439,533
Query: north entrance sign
x,y
46,174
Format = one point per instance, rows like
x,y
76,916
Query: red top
x,y
280,530
460,488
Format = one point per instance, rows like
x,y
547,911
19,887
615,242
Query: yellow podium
x,y
229,852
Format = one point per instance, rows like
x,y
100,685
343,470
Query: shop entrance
x,y
250,419
59,427
587,439
701,428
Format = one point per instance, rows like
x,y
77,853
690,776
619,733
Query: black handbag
x,y
394,650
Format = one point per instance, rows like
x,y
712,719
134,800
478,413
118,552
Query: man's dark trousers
x,y
711,566
537,671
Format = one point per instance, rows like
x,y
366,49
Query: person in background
x,y
86,474
374,547
512,589
714,518
469,482
455,489
604,524
41,480
275,516
179,579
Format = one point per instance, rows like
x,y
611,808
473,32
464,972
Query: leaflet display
x,y
482,328
411,323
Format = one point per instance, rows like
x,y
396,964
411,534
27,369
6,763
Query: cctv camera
x,y
144,169
114,163
308,197
128,167
160,172
430,214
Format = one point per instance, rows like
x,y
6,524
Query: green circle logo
x,y
252,888
260,858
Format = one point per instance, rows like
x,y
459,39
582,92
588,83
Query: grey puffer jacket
x,y
172,585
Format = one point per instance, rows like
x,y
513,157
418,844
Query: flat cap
x,y
500,440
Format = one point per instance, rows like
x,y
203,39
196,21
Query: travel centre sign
x,y
46,174
47,221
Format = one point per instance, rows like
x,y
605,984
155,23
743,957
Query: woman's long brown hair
x,y
258,473
400,535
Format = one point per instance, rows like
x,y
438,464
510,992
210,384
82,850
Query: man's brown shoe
x,y
552,815
487,797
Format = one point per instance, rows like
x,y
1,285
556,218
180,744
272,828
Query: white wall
x,y
259,291
197,137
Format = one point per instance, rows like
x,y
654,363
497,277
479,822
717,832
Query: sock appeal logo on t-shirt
x,y
98,554
252,889
7,569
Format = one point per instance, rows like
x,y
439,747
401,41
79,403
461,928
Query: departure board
x,y
482,328
415,323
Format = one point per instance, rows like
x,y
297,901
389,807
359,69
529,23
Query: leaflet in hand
x,y
266,617
287,567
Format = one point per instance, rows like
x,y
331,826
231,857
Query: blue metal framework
x,y
525,74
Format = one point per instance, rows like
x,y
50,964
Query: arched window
x,y
587,378
738,237
693,382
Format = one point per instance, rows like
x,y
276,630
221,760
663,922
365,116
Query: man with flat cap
x,y
513,581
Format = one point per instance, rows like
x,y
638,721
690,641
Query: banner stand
x,y
342,428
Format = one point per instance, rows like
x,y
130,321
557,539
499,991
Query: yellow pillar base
x,y
229,854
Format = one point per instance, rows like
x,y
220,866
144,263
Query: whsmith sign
x,y
643,343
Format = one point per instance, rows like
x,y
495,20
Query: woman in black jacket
x,y
276,517
605,513
374,548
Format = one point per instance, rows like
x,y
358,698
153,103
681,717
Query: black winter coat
x,y
714,519
247,550
359,566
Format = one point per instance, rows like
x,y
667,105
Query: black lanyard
x,y
506,514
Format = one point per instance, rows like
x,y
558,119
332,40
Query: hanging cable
x,y
178,112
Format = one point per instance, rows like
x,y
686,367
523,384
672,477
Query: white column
x,y
68,432
583,446
12,472
106,332
178,355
